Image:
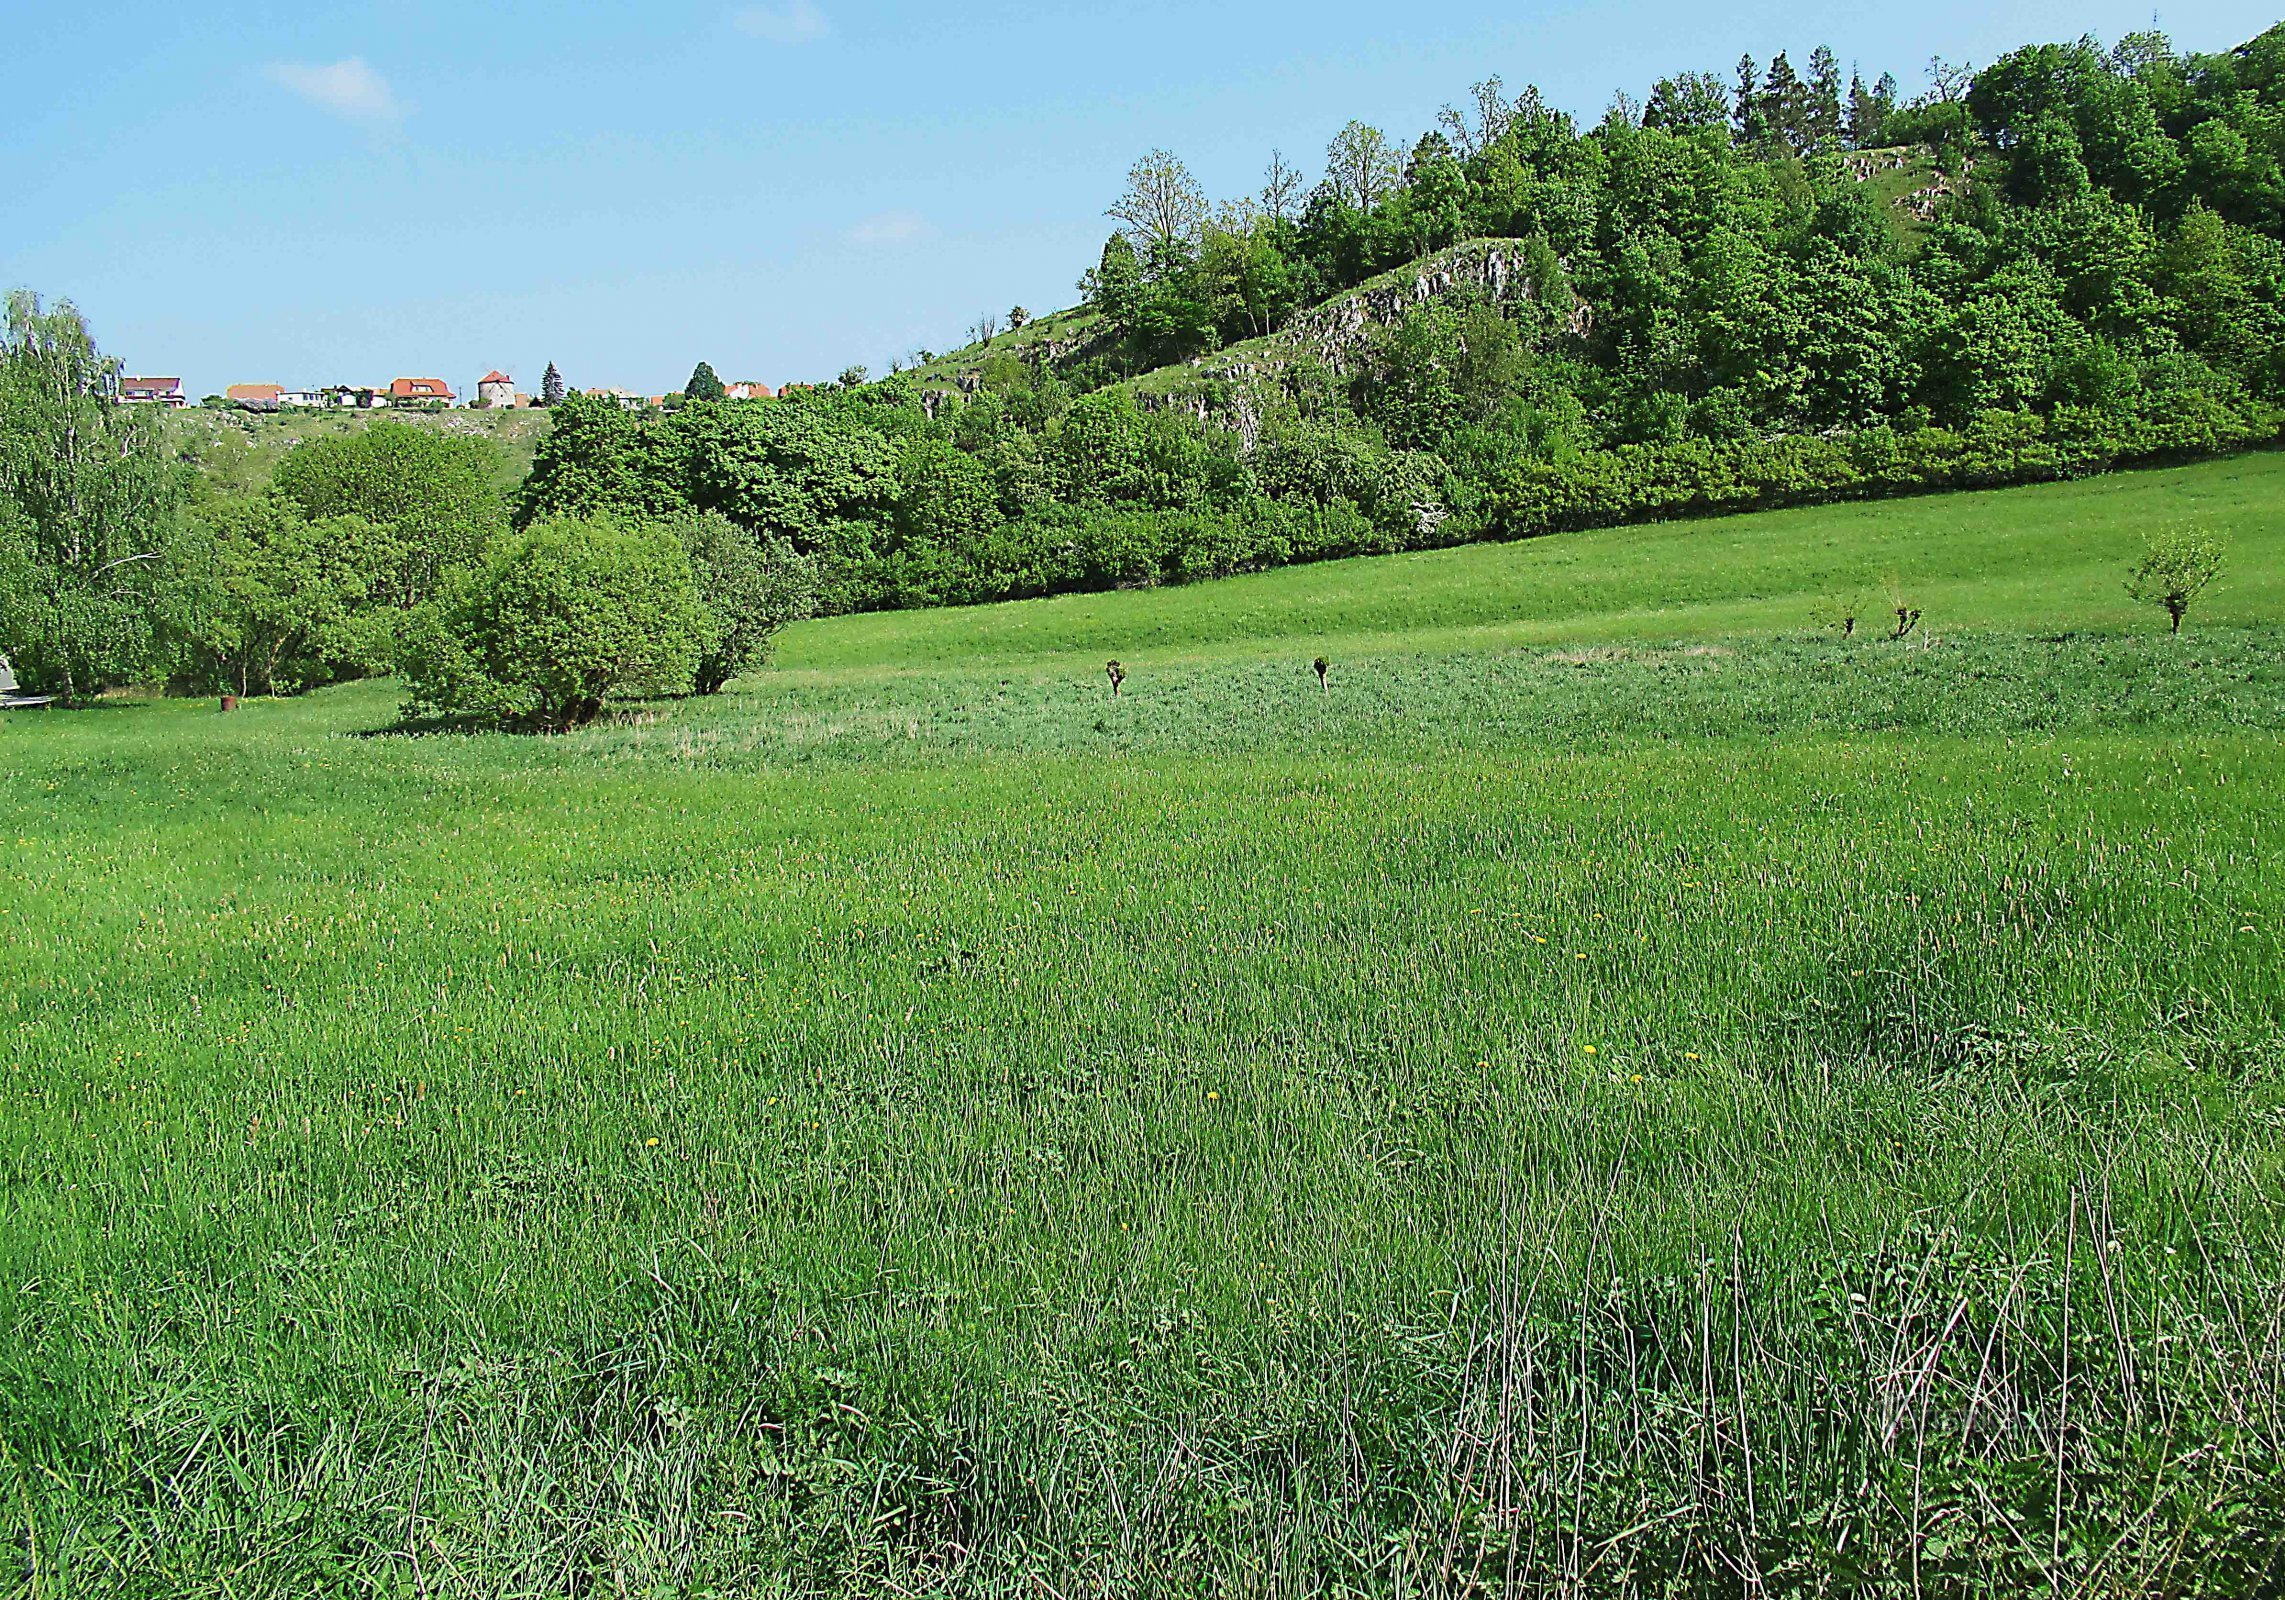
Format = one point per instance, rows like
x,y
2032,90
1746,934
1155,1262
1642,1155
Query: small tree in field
x,y
556,620
2176,564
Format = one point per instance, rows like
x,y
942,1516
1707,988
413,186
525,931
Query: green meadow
x,y
1621,1090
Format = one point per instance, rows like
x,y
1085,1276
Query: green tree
x,y
703,384
1823,104
1163,207
597,458
752,585
1114,288
557,620
433,495
1362,166
1785,104
273,597
88,502
1435,195
1748,113
1687,102
2177,563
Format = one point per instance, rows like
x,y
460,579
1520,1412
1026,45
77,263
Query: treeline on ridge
x,y
1722,302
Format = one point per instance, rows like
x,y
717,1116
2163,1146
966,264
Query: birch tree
x,y
87,499
1363,166
1163,208
1282,189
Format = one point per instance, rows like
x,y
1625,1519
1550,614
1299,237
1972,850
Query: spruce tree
x,y
1785,103
551,386
1752,121
703,384
1824,98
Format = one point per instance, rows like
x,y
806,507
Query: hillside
x,y
1516,325
2047,559
1904,181
235,452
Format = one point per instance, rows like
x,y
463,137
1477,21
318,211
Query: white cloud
x,y
892,230
348,89
795,22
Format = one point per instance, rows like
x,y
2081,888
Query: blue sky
x,y
354,191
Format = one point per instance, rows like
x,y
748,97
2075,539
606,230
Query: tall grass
x,y
1761,1114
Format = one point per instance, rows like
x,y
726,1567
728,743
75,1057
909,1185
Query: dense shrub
x,y
751,586
557,619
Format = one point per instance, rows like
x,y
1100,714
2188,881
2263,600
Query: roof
x,y
496,376
419,389
158,385
254,391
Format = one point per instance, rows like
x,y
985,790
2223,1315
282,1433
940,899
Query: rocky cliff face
x,y
1338,331
1228,386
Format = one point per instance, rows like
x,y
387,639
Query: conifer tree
x,y
1785,104
1824,98
551,386
1752,122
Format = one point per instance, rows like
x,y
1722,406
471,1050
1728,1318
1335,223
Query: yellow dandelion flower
x,y
1590,1049
649,1142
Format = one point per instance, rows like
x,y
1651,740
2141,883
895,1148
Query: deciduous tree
x,y
2176,566
1163,207
88,502
1362,165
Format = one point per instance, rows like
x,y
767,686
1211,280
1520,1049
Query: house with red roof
x,y
153,392
748,391
495,391
420,392
255,396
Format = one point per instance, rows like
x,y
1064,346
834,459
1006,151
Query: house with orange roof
x,y
420,392
495,391
256,396
748,391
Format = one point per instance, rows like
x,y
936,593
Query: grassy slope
x,y
915,1124
2036,559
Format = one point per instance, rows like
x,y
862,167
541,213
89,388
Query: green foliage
x,y
2177,564
703,384
88,497
430,495
275,601
557,619
751,585
596,460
